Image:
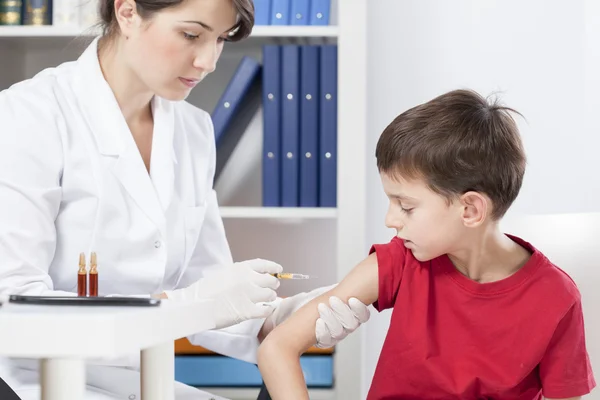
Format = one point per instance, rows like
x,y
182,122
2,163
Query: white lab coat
x,y
72,180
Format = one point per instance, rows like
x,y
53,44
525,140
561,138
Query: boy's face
x,y
424,220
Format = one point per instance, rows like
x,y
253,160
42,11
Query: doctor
x,y
102,154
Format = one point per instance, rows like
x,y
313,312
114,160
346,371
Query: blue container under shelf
x,y
220,371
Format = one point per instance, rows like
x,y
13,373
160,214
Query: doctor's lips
x,y
189,82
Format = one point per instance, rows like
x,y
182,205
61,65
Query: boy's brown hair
x,y
457,142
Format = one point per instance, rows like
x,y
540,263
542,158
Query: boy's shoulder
x,y
551,280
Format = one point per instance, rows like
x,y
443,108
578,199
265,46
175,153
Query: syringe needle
x,y
291,275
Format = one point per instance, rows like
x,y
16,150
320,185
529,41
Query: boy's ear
x,y
475,208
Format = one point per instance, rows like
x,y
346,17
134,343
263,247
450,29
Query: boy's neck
x,y
489,256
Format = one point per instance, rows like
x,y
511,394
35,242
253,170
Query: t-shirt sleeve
x,y
391,258
565,369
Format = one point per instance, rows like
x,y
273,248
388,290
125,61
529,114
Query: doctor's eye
x,y
190,36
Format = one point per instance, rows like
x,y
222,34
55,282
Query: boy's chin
x,y
422,256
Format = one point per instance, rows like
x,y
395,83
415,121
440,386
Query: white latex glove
x,y
339,321
334,324
237,291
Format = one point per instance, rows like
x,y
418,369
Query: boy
x,y
476,313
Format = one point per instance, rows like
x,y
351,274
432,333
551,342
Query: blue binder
x,y
328,127
309,126
271,164
280,12
300,12
290,125
262,12
245,74
220,371
320,11
237,106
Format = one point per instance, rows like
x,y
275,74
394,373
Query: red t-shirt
x,y
453,338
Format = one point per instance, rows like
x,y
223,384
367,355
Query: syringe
x,y
290,275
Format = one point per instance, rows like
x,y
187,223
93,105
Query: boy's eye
x,y
405,209
223,39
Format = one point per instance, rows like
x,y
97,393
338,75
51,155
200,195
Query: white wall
x,y
543,55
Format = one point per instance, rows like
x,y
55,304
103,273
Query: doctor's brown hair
x,y
146,8
457,142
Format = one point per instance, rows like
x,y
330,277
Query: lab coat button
x,y
157,244
132,397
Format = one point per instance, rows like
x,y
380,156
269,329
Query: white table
x,y
64,336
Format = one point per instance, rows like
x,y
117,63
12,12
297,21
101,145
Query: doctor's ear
x,y
127,17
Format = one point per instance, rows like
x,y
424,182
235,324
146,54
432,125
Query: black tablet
x,y
84,301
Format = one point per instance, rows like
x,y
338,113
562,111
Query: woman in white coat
x,y
103,154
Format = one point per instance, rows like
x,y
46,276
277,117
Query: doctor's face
x,y
179,46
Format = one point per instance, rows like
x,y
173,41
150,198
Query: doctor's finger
x,y
359,309
333,324
264,266
344,313
322,334
261,311
266,280
259,294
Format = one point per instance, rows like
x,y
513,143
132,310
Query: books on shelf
x,y
299,104
292,12
59,13
235,109
300,125
83,13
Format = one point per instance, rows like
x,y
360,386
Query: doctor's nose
x,y
206,58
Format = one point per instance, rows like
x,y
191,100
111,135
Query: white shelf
x,y
264,31
280,213
38,31
294,31
252,393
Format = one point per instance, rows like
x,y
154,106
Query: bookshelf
x,y
327,242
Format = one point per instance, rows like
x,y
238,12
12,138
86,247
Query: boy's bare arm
x,y
279,354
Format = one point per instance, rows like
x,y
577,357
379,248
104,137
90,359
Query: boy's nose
x,y
393,221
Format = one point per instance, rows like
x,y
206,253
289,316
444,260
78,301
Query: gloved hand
x,y
339,320
334,324
236,290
